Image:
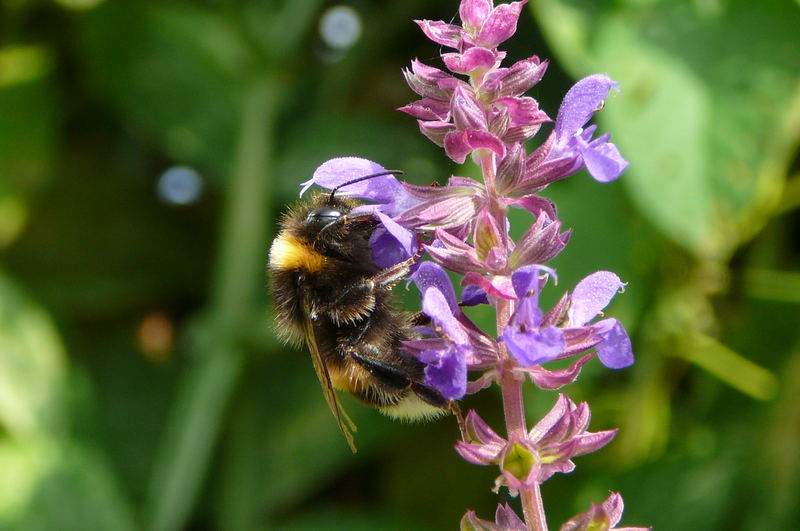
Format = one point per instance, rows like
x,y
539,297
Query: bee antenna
x,y
363,178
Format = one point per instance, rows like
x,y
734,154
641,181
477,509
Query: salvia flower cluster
x,y
475,108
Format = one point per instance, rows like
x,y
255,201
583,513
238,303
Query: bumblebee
x,y
327,291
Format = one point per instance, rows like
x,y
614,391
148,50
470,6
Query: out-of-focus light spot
x,y
13,217
155,336
340,27
180,185
23,63
79,4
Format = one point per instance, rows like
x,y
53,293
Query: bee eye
x,y
323,215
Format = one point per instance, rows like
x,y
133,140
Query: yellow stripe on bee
x,y
289,253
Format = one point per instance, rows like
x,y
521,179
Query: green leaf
x,y
730,367
56,484
171,72
27,132
32,366
704,115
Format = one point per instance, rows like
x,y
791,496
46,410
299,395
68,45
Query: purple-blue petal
x,y
434,305
446,371
473,295
533,346
581,101
405,239
386,250
335,172
526,280
431,275
527,313
615,351
592,295
603,161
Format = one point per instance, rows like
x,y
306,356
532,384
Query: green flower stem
x,y
202,397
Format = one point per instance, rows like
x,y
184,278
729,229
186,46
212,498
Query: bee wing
x,y
342,419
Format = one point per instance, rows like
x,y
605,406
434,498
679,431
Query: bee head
x,y
319,218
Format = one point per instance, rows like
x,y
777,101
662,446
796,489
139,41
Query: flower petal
x,y
526,281
516,79
468,113
459,144
615,351
430,275
436,130
523,110
591,295
473,295
581,101
448,374
603,161
474,12
464,63
436,306
427,109
439,32
335,172
500,24
391,243
556,379
532,346
498,286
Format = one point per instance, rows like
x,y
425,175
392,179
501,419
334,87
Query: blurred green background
x,y
147,148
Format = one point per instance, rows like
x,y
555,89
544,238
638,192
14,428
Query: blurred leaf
x,y
704,113
337,521
773,285
781,466
32,366
729,366
173,72
27,129
13,217
55,484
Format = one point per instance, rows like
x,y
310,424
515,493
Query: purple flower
x,y
505,519
562,434
605,517
527,339
534,338
590,297
546,449
445,356
445,353
483,445
389,194
450,113
572,142
455,342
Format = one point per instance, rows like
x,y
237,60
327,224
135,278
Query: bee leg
x,y
429,395
462,427
387,374
383,279
393,377
392,275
